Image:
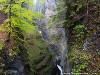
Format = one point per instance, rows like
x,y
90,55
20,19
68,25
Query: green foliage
x,y
79,27
79,68
1,46
80,30
82,20
21,17
37,51
59,18
20,20
79,7
21,24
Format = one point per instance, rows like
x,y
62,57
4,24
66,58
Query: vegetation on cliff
x,y
82,24
20,37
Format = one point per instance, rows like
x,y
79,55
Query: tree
x,y
20,21
19,18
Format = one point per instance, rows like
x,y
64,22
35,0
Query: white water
x,y
59,67
59,47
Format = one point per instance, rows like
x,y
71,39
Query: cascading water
x,y
59,67
54,36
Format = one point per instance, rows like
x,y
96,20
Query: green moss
x,y
1,46
38,53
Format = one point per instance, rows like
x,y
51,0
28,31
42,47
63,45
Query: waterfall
x,y
50,33
59,67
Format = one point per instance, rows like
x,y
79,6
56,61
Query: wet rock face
x,y
13,72
17,67
55,71
93,42
53,35
3,37
2,17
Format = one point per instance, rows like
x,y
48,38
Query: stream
x,y
53,35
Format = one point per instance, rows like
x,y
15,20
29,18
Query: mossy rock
x,y
41,59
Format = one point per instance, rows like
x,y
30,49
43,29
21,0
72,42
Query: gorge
x,y
49,37
50,34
